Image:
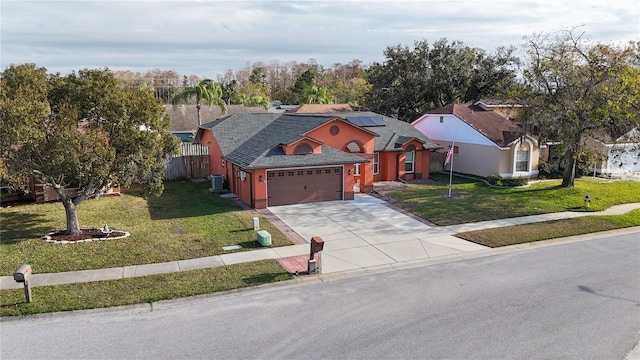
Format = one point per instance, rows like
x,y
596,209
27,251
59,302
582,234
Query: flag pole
x,y
453,145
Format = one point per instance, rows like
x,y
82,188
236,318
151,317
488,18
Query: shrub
x,y
494,179
515,181
544,169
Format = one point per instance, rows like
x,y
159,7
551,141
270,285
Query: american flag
x,y
449,154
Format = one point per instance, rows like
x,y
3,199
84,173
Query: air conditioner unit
x,y
217,181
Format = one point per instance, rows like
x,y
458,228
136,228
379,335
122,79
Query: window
x,y
375,163
309,172
327,171
522,160
408,162
290,173
336,171
300,172
302,149
356,170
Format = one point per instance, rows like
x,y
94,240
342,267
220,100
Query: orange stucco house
x,y
276,159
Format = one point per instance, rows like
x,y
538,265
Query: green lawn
x,y
527,233
474,201
186,222
146,289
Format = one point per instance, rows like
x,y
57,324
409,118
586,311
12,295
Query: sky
x,y
207,37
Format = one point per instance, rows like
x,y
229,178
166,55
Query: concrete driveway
x,y
366,233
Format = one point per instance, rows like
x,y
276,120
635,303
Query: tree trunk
x,y
569,174
71,211
198,108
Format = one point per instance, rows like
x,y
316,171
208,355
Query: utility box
x,y
264,238
256,224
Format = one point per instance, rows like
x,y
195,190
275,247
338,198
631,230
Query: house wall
x,y
259,200
242,187
215,154
450,129
348,181
508,160
622,158
388,166
481,160
347,134
477,155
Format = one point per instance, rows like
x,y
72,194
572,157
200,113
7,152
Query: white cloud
x,y
207,37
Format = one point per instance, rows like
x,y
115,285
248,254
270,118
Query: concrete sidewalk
x,y
362,234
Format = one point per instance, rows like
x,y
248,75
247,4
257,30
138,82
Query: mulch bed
x,y
85,235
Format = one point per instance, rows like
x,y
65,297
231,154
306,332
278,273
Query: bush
x,y
494,179
515,181
544,170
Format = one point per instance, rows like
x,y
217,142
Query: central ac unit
x,y
217,182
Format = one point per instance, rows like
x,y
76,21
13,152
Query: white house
x,y
620,156
486,142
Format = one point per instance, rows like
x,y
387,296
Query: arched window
x,y
522,157
302,149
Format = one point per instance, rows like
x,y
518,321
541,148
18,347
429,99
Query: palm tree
x,y
206,91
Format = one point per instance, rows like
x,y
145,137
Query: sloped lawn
x,y
186,222
473,200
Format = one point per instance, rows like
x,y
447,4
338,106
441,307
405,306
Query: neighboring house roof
x,y
492,125
491,103
628,137
185,117
322,108
252,140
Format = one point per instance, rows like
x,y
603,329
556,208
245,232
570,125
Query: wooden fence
x,y
436,162
191,163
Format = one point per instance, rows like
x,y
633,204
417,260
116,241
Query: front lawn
x,y
186,222
473,200
145,289
526,233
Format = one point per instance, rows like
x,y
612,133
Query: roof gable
x,y
487,122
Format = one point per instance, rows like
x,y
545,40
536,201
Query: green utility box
x,y
264,238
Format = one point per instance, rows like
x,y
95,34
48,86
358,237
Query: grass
x,y
526,233
473,200
147,289
186,222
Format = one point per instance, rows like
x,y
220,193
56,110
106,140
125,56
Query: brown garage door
x,y
295,186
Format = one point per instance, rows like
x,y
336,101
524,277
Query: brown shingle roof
x,y
492,125
322,108
185,117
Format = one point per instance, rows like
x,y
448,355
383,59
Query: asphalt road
x,y
571,301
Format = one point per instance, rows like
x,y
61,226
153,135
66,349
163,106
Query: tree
x,y
81,131
575,88
206,91
414,80
305,90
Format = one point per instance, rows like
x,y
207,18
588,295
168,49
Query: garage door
x,y
295,186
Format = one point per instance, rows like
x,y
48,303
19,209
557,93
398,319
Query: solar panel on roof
x,y
366,120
